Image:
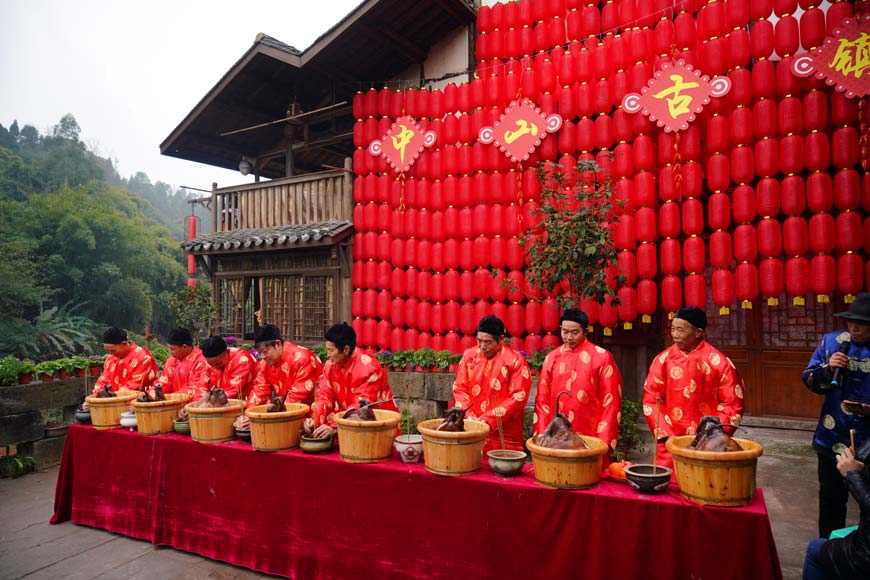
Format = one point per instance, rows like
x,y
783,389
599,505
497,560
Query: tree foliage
x,y
572,243
78,248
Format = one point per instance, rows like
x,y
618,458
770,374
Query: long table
x,y
310,517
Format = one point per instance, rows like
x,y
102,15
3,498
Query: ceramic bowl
x,y
648,478
128,419
83,417
312,445
182,427
244,434
506,462
410,448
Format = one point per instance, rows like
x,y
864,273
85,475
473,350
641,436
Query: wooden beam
x,y
409,49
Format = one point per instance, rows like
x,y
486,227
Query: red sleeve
x,y
730,394
238,376
168,376
655,387
610,395
543,412
261,392
325,402
108,375
462,385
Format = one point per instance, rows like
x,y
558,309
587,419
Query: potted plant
x,y
95,362
46,370
9,369
424,358
403,360
320,351
385,357
441,360
15,465
26,370
536,360
64,368
454,360
78,364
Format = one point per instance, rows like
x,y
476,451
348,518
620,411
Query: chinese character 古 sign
x,y
520,129
842,59
675,94
402,144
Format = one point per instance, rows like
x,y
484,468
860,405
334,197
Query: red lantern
x,y
693,255
787,36
797,276
770,237
627,308
533,317
844,147
740,126
645,220
743,204
627,267
669,220
720,249
722,283
772,275
550,314
823,233
647,260
672,294
820,194
745,243
515,323
850,236
791,154
763,79
818,154
746,282
850,273
847,190
693,217
823,275
795,236
671,256
815,111
767,157
793,195
646,297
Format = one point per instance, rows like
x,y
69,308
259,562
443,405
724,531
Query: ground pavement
x,y
33,550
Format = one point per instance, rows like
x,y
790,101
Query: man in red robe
x,y
690,379
286,369
230,369
185,370
348,376
589,375
493,380
128,366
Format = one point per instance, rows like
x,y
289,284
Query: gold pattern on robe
x,y
677,412
676,373
608,371
504,372
495,385
601,427
561,368
525,372
663,357
714,358
285,367
498,411
829,422
582,396
475,390
297,355
668,420
599,349
608,398
570,416
309,385
738,390
647,410
520,396
365,359
584,357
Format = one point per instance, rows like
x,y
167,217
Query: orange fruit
x,y
616,470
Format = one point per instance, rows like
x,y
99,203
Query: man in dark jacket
x,y
846,558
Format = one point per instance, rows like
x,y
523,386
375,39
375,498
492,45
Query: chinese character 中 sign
x,y
402,144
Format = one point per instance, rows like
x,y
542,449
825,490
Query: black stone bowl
x,y
642,478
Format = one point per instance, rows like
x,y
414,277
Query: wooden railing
x,y
302,199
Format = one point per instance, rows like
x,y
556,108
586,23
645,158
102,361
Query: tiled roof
x,y
269,238
267,40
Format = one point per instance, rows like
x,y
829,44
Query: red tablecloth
x,y
305,516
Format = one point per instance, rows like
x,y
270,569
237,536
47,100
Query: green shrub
x,y
9,371
630,439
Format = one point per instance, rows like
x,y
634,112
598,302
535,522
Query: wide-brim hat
x,y
859,310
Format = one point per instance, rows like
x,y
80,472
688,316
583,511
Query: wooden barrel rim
x,y
452,473
461,442
730,501
279,421
741,463
355,429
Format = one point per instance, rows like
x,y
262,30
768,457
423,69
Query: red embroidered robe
x,y
135,371
690,385
497,386
295,376
341,387
589,374
237,378
187,375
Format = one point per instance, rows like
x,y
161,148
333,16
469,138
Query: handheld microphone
x,y
844,348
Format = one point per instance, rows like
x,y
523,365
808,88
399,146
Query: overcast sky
x,y
130,71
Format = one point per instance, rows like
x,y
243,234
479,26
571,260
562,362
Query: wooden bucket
x,y
214,424
156,417
453,453
568,468
106,412
720,478
276,431
367,441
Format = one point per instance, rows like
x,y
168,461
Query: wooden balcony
x,y
299,200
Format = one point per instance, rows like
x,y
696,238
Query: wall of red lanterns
x,y
768,187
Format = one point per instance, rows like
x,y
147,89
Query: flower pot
x,y
46,377
128,420
79,372
25,378
96,370
63,374
56,430
181,427
410,448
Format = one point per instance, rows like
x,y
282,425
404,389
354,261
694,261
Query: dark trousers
x,y
833,496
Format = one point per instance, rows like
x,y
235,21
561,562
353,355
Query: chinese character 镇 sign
x,y
402,144
842,59
520,129
675,94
